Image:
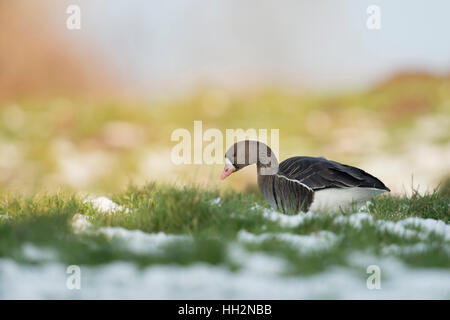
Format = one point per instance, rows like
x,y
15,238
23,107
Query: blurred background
x,y
93,109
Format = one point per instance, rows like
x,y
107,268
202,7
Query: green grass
x,y
43,221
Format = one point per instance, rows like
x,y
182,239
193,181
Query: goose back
x,y
319,173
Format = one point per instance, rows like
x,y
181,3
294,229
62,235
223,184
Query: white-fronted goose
x,y
303,183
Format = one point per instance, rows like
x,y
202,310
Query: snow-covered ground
x,y
259,279
261,276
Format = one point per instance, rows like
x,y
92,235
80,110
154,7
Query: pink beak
x,y
229,169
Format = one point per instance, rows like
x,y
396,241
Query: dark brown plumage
x,y
298,183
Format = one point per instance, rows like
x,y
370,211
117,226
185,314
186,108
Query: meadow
x,y
397,130
87,181
75,191
165,241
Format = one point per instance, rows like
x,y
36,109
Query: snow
x,y
141,242
105,205
419,247
429,226
80,223
321,240
216,201
396,228
260,276
123,280
256,262
134,240
35,253
288,221
408,228
412,227
355,220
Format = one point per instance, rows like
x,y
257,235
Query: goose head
x,y
247,152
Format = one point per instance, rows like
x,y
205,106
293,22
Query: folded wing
x,y
320,173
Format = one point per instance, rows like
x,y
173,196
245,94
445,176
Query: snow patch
x,y
355,220
216,201
288,221
408,228
139,241
122,280
257,263
420,247
321,240
80,223
35,253
134,240
396,228
105,205
429,226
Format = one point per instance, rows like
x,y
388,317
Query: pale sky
x,y
323,44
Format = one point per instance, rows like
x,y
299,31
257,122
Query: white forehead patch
x,y
227,161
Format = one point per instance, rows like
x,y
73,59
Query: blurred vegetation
x,y
38,58
104,144
59,131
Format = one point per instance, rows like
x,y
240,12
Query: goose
x,y
303,183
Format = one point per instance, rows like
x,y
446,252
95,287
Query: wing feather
x,y
320,173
